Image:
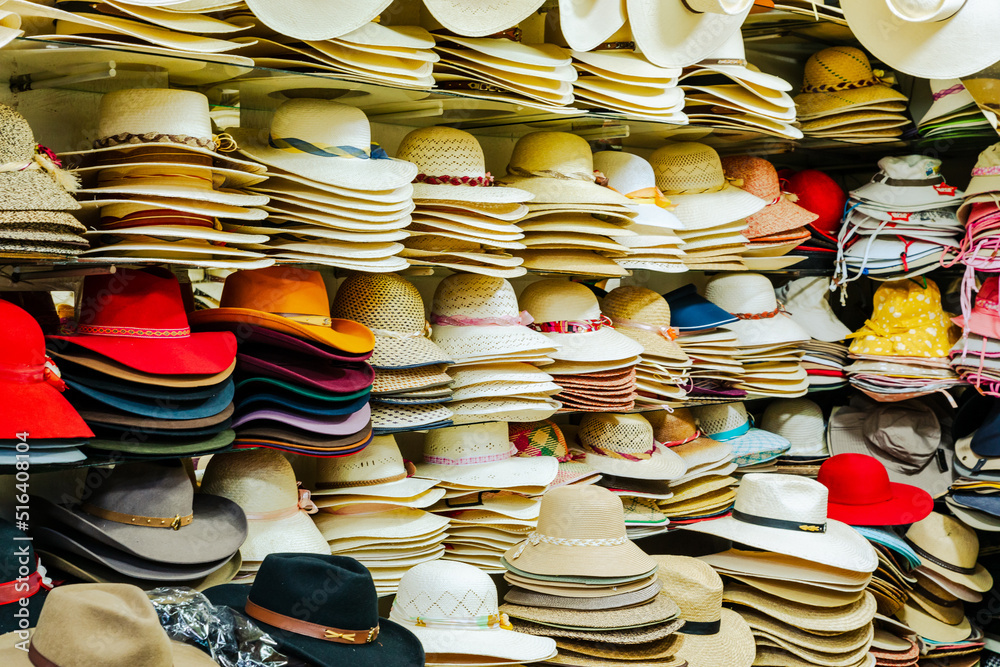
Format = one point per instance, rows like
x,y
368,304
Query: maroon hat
x,y
336,378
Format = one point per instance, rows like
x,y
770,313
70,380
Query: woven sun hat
x,y
644,316
378,470
680,33
622,445
839,78
678,430
929,627
473,21
909,183
392,308
949,548
908,320
760,178
569,315
729,423
581,532
262,482
558,168
786,514
30,178
800,422
750,298
712,636
310,20
452,609
453,168
481,455
690,174
634,177
544,438
861,493
806,301
325,142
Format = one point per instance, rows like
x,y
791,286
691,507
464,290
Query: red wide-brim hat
x,y
39,411
205,353
908,504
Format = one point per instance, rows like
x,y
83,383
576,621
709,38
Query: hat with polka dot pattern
x,y
908,320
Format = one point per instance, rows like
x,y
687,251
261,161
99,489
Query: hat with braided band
x,y
622,445
840,78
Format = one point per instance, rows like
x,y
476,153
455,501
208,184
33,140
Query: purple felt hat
x,y
337,425
266,435
253,335
335,378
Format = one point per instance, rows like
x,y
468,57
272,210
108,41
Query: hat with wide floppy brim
x,y
180,409
678,33
861,493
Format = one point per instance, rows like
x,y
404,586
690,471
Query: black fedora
x,y
322,609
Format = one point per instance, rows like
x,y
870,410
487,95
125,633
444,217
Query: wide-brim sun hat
x,y
862,495
310,20
473,21
679,34
839,78
622,445
750,298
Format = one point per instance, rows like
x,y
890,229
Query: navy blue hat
x,y
689,311
986,440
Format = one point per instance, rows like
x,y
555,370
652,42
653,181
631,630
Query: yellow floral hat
x,y
908,321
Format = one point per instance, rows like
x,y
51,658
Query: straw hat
x,y
325,142
474,21
760,178
750,297
634,177
622,445
787,514
569,315
817,620
644,316
926,625
311,20
949,548
800,422
679,33
30,180
839,78
378,470
263,484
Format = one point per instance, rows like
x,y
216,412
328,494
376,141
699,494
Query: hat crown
x,y
23,341
901,303
380,301
621,433
807,292
380,459
687,168
924,11
322,123
716,419
836,65
990,157
468,441
148,489
730,7
277,289
636,304
782,497
731,49
542,438
797,420
749,293
555,154
443,151
759,176
946,538
910,167
855,479
260,480
445,590
556,300
625,172
126,621
158,112
693,585
581,512
133,302
675,426
476,296
17,141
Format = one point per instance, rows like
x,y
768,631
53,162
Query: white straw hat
x,y
679,33
475,19
378,469
313,19
730,59
634,177
750,297
585,25
800,422
623,445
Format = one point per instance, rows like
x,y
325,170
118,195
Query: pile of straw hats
x,y
304,380
801,588
842,99
138,376
410,383
336,199
800,422
974,356
144,524
953,114
806,301
769,340
753,449
573,221
490,492
155,185
35,197
581,581
595,365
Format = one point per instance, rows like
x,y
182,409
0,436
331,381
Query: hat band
x,y
211,143
572,326
667,332
402,335
484,181
701,627
12,591
957,88
843,85
601,451
305,504
783,524
472,85
882,177
307,629
731,433
43,159
537,538
986,171
293,145
159,216
131,332
312,320
937,561
513,170
348,484
523,319
614,46
760,316
471,460
678,443
37,659
33,373
924,593
495,621
737,62
175,522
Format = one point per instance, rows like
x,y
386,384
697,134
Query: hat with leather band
x,y
949,548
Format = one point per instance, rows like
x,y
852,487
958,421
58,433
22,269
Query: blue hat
x,y
158,408
986,440
890,540
689,311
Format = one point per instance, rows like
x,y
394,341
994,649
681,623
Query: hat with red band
x,y
862,495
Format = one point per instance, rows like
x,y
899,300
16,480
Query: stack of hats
x,y
34,223
655,246
902,350
806,301
156,185
706,490
801,423
580,580
644,316
476,322
141,380
976,354
595,364
573,221
410,383
372,511
489,491
462,221
980,214
545,438
902,223
953,114
143,524
819,194
336,198
725,91
633,465
753,449
712,210
796,576
842,99
702,334
770,341
972,496
303,377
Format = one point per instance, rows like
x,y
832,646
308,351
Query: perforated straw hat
x,y
378,469
750,298
622,445
678,33
644,316
800,422
730,423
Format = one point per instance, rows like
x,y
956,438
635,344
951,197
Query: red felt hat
x,y
137,318
862,495
30,384
821,195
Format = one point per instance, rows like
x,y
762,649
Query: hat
x,y
861,493
678,430
786,514
729,423
634,177
544,438
31,179
623,445
760,178
689,311
949,548
581,532
644,316
984,179
463,19
326,142
909,183
907,320
712,636
101,624
287,300
309,20
28,584
806,302
679,33
821,195
839,78
452,609
800,422
925,33
377,470
340,626
392,308
569,314
750,298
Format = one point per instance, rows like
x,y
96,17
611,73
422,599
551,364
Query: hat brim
x,y
96,573
565,191
340,425
472,341
597,562
664,464
671,35
821,104
157,409
206,353
492,646
338,379
776,330
39,409
926,625
516,471
782,216
344,335
907,505
713,209
605,344
427,193
136,444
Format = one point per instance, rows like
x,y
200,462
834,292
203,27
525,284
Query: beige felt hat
x,y
644,316
622,445
949,548
679,33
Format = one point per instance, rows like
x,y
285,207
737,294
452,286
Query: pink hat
x,y
760,178
984,320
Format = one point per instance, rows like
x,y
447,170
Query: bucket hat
x,y
909,183
622,445
800,422
644,316
949,548
452,609
861,493
760,178
378,470
787,514
689,311
839,78
344,628
750,298
908,320
730,423
678,34
806,302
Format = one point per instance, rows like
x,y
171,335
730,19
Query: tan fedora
x,y
949,548
806,617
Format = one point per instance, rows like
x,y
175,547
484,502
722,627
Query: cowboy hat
x,y
679,33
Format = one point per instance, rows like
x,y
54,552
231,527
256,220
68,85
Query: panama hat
x,y
800,421
839,78
378,470
462,19
678,34
644,316
730,60
949,548
623,445
750,298
787,514
307,20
